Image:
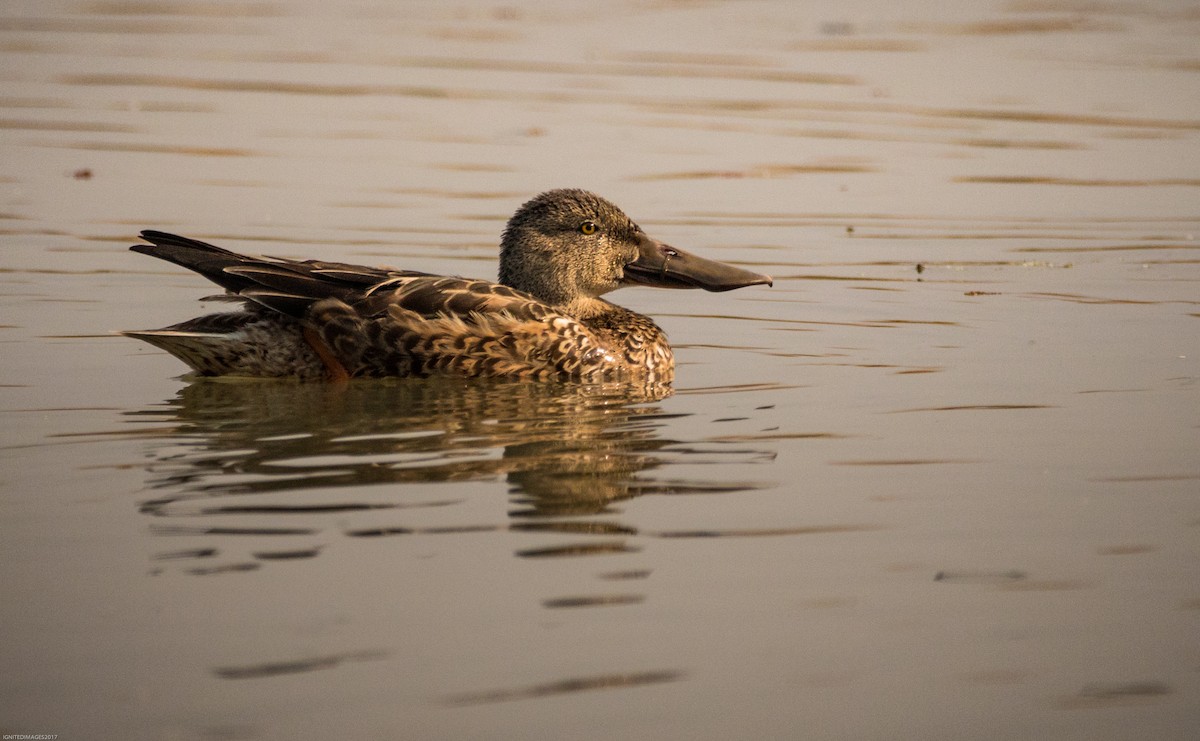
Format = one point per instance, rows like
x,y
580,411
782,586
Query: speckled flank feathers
x,y
312,319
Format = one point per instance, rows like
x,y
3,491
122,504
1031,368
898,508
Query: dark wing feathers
x,y
286,286
206,259
166,239
292,286
431,296
284,303
353,274
290,280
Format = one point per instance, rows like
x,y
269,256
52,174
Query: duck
x,y
544,319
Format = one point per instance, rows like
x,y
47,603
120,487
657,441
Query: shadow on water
x,y
266,458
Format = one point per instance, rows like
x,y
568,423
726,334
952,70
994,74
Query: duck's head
x,y
570,246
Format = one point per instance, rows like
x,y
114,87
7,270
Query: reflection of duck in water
x,y
573,446
251,471
545,319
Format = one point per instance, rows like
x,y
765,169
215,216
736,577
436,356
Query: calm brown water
x,y
941,481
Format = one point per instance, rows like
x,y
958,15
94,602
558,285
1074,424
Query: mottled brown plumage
x,y
545,319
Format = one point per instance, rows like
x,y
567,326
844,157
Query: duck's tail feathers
x,y
206,259
207,353
286,286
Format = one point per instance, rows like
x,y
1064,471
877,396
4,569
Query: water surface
x,y
940,481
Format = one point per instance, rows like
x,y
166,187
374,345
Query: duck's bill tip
x,y
749,279
663,266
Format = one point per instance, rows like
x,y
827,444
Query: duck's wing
x,y
432,325
287,286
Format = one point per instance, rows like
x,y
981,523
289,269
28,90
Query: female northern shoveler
x,y
545,319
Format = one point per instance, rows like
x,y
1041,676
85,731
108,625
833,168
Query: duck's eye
x,y
588,227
